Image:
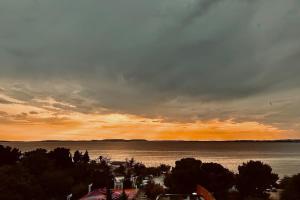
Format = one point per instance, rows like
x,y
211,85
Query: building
x,y
100,194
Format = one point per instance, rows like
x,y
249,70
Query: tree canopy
x,y
255,178
291,188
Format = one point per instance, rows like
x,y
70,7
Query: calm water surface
x,y
284,157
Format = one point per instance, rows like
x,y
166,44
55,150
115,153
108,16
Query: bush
x,y
216,179
255,178
189,172
185,176
291,188
9,155
152,190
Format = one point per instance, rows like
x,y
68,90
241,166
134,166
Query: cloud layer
x,y
177,60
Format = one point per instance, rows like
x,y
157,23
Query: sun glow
x,y
27,122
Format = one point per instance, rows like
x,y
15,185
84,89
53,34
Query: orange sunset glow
x,y
27,122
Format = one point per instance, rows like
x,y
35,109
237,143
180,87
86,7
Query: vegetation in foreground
x,y
52,175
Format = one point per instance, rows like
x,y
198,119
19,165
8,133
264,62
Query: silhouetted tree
x,y
18,184
62,157
8,155
164,168
283,182
127,182
108,194
255,178
152,190
57,183
123,196
52,175
86,157
78,190
189,172
130,163
121,170
37,161
291,188
101,175
139,169
185,176
77,157
216,179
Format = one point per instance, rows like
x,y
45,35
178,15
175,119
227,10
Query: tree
x,y
255,178
291,188
57,183
86,157
127,183
185,176
9,155
108,194
37,161
164,168
77,158
216,179
152,190
139,169
189,172
79,190
130,163
101,175
18,184
62,157
121,170
123,196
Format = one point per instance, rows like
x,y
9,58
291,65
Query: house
x,y
100,194
119,182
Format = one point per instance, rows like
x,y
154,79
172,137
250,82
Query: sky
x,y
156,70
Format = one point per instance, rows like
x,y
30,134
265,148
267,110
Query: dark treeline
x,y
52,175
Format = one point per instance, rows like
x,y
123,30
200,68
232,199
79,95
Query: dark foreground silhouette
x,y
53,175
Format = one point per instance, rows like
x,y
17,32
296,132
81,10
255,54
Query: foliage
x,y
189,172
164,168
39,174
185,176
121,170
127,182
123,196
108,194
86,157
18,184
216,179
81,158
152,190
62,157
255,178
291,188
77,158
37,161
9,155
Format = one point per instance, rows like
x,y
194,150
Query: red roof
x,y
100,194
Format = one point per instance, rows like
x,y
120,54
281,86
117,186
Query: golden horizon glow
x,y
46,122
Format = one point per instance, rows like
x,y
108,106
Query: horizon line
x,y
147,140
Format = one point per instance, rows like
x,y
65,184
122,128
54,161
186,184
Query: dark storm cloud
x,y
140,56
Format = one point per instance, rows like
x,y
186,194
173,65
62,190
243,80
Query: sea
x,y
283,157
